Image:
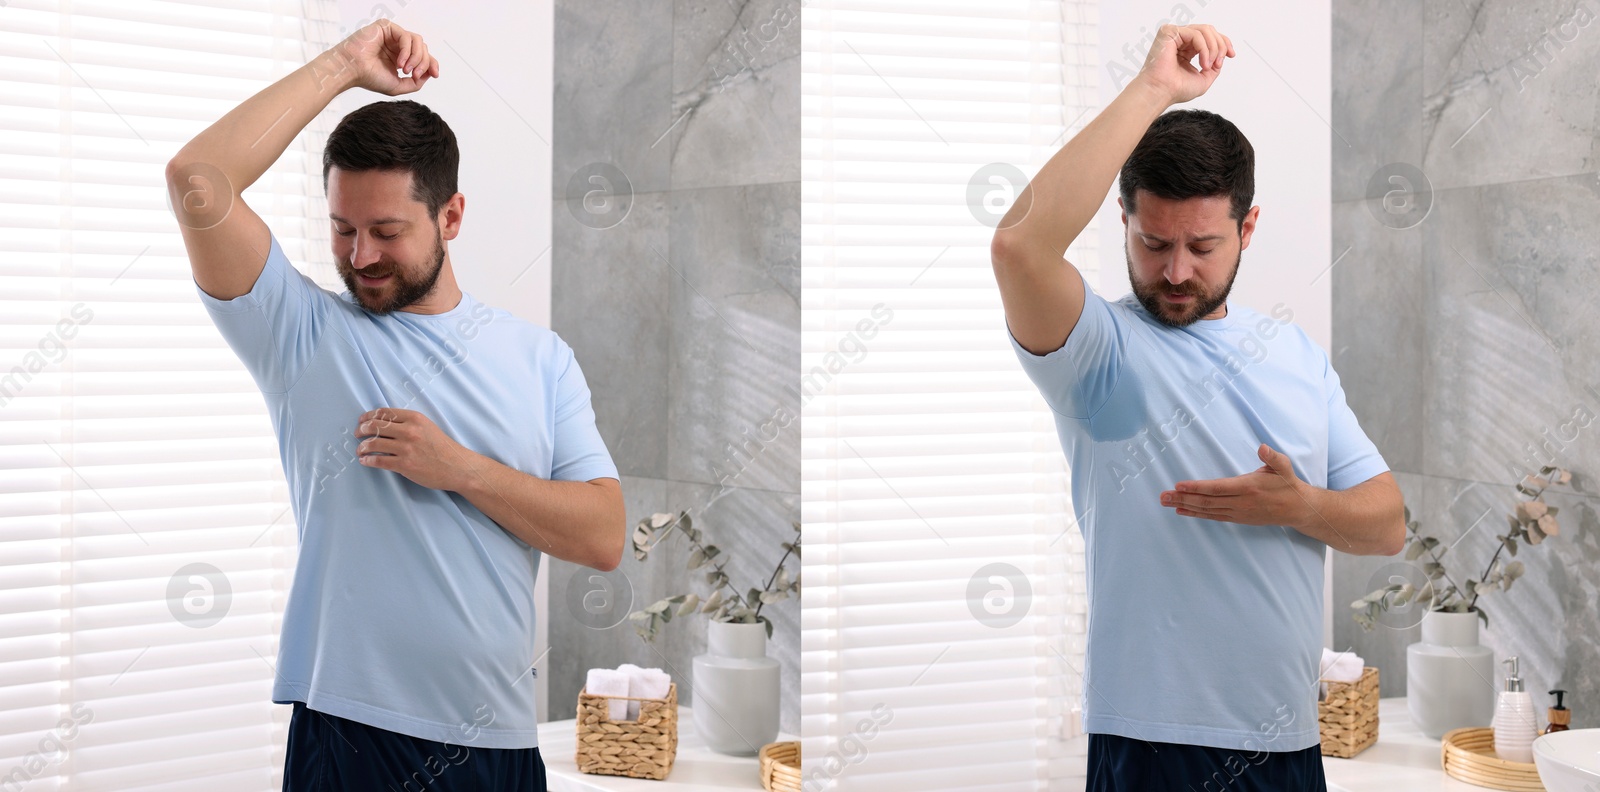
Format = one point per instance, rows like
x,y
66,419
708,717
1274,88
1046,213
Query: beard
x,y
1180,316
401,289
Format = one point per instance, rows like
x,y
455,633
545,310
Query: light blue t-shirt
x,y
410,609
1199,632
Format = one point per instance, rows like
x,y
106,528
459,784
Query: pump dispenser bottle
x,y
1560,716
1515,725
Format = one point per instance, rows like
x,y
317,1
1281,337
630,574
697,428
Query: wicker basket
x,y
1468,754
1348,717
780,767
644,748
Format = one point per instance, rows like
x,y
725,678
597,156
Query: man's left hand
x,y
1269,495
417,448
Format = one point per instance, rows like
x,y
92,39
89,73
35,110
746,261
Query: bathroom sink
x,y
1569,761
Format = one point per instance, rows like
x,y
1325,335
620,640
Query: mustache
x,y
371,271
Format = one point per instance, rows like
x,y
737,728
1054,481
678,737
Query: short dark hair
x,y
401,135
1192,154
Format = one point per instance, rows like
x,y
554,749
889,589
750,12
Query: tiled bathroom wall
x,y
1466,320
675,278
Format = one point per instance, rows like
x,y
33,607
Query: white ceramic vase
x,y
736,689
1449,675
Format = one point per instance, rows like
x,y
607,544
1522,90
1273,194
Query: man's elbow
x,y
1392,546
1394,537
613,533
1004,250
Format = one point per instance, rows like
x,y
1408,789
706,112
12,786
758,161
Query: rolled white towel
x,y
644,683
609,682
1341,666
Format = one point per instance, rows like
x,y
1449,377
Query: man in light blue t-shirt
x,y
434,446
1214,459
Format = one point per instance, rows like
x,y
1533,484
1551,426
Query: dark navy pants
x,y
1124,764
327,753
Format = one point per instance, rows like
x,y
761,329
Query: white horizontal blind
x,y
133,444
943,616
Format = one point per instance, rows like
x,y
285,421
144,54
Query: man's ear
x,y
1124,212
1247,227
450,216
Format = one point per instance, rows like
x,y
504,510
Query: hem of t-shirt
x,y
1356,475
455,734
250,300
589,474
1034,359
1210,737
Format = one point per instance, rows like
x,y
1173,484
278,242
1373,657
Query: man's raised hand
x,y
1167,66
377,51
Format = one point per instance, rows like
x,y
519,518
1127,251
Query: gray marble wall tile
x,y
685,314
613,101
1508,89
1513,330
1503,312
1377,88
1379,329
735,285
610,305
735,92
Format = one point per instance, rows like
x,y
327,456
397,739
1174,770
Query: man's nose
x,y
366,253
1179,268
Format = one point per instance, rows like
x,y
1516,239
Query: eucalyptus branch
x,y
1532,520
725,603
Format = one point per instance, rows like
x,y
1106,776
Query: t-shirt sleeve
x,y
1352,457
579,452
1077,379
274,328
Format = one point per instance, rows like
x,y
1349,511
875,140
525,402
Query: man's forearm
x,y
575,521
1367,519
244,143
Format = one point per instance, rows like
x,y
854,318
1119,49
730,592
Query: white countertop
x,y
694,767
1402,758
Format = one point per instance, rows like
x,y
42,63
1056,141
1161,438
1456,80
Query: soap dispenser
x,y
1514,725
1560,716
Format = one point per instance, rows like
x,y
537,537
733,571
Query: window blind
x,y
146,541
944,611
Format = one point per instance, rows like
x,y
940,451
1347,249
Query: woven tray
x,y
1348,717
780,767
1468,754
643,748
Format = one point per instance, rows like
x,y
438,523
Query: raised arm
x,y
1042,293
226,240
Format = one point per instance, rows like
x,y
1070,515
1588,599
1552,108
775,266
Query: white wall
x,y
495,90
1277,92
